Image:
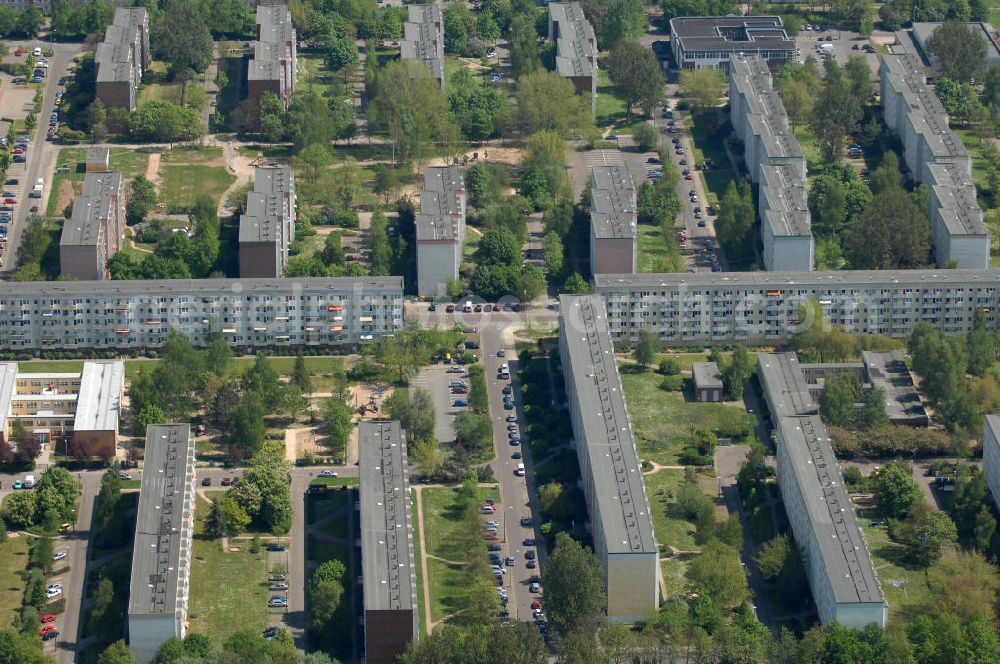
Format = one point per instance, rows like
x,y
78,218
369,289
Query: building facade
x,y
96,229
250,313
267,227
423,39
837,561
576,48
122,58
707,380
440,229
164,530
620,519
273,67
387,551
713,41
765,307
613,219
991,455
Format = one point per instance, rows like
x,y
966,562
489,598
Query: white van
x,y
467,307
520,470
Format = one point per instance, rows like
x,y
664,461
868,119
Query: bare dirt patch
x,y
65,195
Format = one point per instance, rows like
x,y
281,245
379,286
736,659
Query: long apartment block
x,y
388,570
620,520
273,65
576,48
776,164
765,307
935,155
267,227
440,229
837,561
991,455
161,556
122,58
613,218
250,313
423,39
96,229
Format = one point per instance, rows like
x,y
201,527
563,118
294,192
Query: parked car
x,y
328,473
281,585
48,636
275,547
48,618
206,481
59,555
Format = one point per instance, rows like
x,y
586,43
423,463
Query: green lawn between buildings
x,y
128,161
13,560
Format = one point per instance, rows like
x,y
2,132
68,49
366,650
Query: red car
x,y
12,201
48,617
47,628
536,604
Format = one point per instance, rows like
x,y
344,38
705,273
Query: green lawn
x,y
661,488
126,160
674,577
335,481
979,165
663,419
702,126
319,505
190,172
418,572
447,588
228,589
610,109
13,560
654,254
890,563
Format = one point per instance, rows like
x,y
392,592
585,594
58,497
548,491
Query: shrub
x,y
672,383
890,440
669,367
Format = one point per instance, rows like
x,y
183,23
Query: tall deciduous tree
x,y
646,347
702,87
836,112
182,38
523,46
634,70
574,595
892,234
548,102
959,50
895,490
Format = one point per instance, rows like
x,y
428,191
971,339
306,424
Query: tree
x,y
646,137
301,375
646,347
499,247
625,19
836,402
247,427
159,120
797,99
19,509
702,87
717,574
634,70
959,51
480,111
926,531
859,76
107,498
895,490
182,38
117,653
271,117
981,345
574,595
548,102
892,234
339,423
523,46
553,251
529,283
379,251
217,354
873,414
836,112
325,590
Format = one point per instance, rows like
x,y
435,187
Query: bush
x,y
890,440
646,136
852,476
669,367
672,383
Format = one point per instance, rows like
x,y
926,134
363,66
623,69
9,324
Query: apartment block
x,y
440,229
613,218
935,156
620,520
388,570
250,313
83,407
423,39
122,58
96,229
164,530
576,48
991,455
785,223
765,307
837,561
273,66
267,227
714,41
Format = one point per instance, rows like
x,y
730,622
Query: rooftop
x,y
90,208
423,38
887,371
768,118
576,44
162,288
731,33
275,33
98,405
163,527
274,179
98,155
706,374
956,194
613,202
784,193
269,206
619,497
114,55
441,209
796,281
386,523
785,385
923,30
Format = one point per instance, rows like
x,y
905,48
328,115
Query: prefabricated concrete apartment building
x,y
423,39
273,67
620,519
96,228
576,48
267,227
440,229
122,57
164,530
613,219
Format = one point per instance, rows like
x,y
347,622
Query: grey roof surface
x,y
786,387
619,499
165,287
262,219
845,554
784,192
768,117
440,199
730,33
386,522
167,486
275,32
274,179
706,374
956,195
423,38
114,54
794,281
98,155
923,30
98,404
613,202
576,44
8,384
887,371
90,207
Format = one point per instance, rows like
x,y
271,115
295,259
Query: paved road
x,y
41,154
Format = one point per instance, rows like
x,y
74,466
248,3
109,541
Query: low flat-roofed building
x,y
713,41
273,66
576,48
423,39
620,520
613,219
707,381
387,553
95,230
887,371
267,227
122,57
440,229
164,529
98,159
921,31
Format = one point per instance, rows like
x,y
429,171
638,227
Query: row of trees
x,y
841,393
52,502
261,499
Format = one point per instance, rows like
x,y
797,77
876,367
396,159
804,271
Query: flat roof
x,y
768,118
798,281
99,402
730,33
91,208
232,287
387,558
262,220
783,191
98,154
887,371
576,44
273,179
956,196
607,439
423,38
114,54
8,385
784,384
922,31
441,208
706,374
275,32
613,202
846,561
163,528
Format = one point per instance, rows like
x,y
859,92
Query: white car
x,y
59,555
492,524
328,473
54,586
50,594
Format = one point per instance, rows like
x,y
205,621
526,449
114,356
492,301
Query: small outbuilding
x,y
98,159
707,381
